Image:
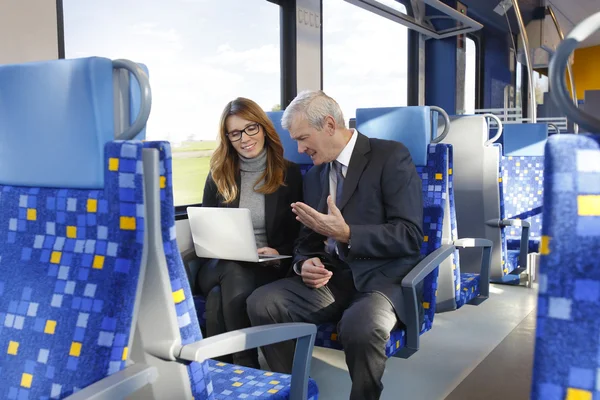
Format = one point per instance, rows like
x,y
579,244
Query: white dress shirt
x,y
344,159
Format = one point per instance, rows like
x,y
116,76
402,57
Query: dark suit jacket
x,y
383,205
281,224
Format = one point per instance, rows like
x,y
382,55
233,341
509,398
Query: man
x,y
362,234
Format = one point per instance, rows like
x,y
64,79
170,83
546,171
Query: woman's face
x,y
247,137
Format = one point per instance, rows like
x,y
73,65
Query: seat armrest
x,y
409,290
250,338
524,245
118,385
486,261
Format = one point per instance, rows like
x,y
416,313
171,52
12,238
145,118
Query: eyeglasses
x,y
250,130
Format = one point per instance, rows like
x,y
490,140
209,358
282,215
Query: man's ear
x,y
330,125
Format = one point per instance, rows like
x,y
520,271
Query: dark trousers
x,y
226,308
365,323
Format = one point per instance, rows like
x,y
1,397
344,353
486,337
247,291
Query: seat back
x,y
521,190
435,183
168,312
475,187
568,312
290,148
412,127
182,299
72,229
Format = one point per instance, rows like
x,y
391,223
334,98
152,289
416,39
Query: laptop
x,y
225,233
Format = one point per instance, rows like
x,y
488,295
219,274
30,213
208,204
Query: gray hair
x,y
315,106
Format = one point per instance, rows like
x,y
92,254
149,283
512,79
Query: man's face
x,y
318,144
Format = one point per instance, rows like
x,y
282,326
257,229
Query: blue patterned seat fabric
x,y
434,177
469,288
466,285
503,248
200,304
66,315
205,384
521,192
567,347
235,382
453,228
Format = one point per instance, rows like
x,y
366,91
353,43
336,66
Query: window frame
x,y
411,55
287,34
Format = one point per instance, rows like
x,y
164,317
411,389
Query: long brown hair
x,y
225,162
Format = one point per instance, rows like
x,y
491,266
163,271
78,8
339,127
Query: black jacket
x,y
281,224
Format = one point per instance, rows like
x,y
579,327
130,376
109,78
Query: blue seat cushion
x,y
327,336
515,244
236,382
567,341
512,259
469,288
183,301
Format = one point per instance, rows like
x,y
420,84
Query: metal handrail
x,y
558,84
569,68
441,137
146,98
500,129
532,103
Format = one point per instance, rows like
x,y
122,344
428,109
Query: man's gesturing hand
x,y
331,225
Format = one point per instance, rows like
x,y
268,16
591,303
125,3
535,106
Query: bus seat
x,y
521,192
454,288
473,191
290,147
433,217
412,127
72,234
568,310
196,375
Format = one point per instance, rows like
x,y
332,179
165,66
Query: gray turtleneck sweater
x,y
251,169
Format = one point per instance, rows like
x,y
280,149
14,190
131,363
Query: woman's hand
x,y
271,252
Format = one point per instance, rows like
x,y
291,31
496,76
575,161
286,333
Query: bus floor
x,y
476,352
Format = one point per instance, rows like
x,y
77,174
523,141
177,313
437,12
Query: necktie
x,y
337,168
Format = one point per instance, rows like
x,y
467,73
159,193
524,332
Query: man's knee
x,y
354,332
361,329
264,305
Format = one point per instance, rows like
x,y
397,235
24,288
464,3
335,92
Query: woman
x,y
247,170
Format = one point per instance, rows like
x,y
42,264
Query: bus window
x,y
200,54
364,58
470,76
541,86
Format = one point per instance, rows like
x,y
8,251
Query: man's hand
x,y
269,251
332,225
314,274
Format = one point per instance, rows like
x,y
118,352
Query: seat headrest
x,y
524,139
290,148
55,118
409,125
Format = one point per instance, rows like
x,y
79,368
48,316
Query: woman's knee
x,y
207,277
